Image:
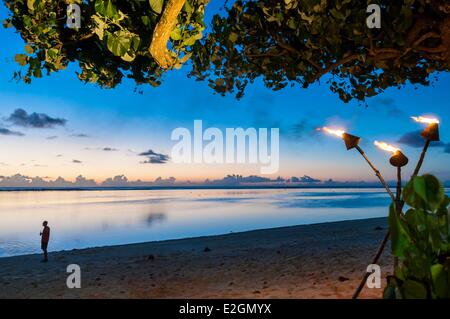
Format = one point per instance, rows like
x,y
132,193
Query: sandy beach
x,y
311,261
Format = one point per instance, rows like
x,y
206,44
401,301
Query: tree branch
x,y
158,47
331,67
82,38
291,49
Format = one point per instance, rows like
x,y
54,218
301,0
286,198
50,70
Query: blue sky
x,y
132,123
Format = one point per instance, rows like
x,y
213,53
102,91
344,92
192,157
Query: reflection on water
x,y
80,219
153,218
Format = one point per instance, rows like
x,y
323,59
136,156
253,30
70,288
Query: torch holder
x,y
398,159
351,141
431,132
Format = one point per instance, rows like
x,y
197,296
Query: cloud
x,y
386,101
105,149
79,135
388,105
154,158
76,161
19,180
5,131
116,181
83,182
305,179
301,130
20,117
414,139
165,181
52,137
59,155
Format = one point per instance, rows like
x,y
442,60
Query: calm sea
x,y
80,219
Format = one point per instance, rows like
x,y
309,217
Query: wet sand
x,y
311,261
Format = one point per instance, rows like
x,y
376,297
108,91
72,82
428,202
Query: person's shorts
x,y
44,246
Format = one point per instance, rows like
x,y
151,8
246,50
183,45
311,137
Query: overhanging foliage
x,y
283,42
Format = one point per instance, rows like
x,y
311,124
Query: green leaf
x,y
145,20
51,54
111,11
100,26
412,289
135,41
292,23
123,44
424,192
304,16
30,4
191,40
128,57
100,7
106,8
420,187
156,5
176,34
118,43
22,59
187,7
29,49
440,281
37,73
400,238
233,37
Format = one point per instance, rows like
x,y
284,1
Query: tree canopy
x,y
282,42
115,38
298,41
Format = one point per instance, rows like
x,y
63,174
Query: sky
x,y
99,133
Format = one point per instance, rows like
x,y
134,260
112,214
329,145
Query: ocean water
x,y
80,219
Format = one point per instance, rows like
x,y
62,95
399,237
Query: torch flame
x,y
387,147
338,133
427,120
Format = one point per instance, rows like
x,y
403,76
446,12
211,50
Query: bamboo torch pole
x,y
430,134
398,160
377,172
422,156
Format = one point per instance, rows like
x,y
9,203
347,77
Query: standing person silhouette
x,y
45,237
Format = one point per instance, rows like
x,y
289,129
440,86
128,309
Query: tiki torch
x,y
430,134
398,160
352,141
